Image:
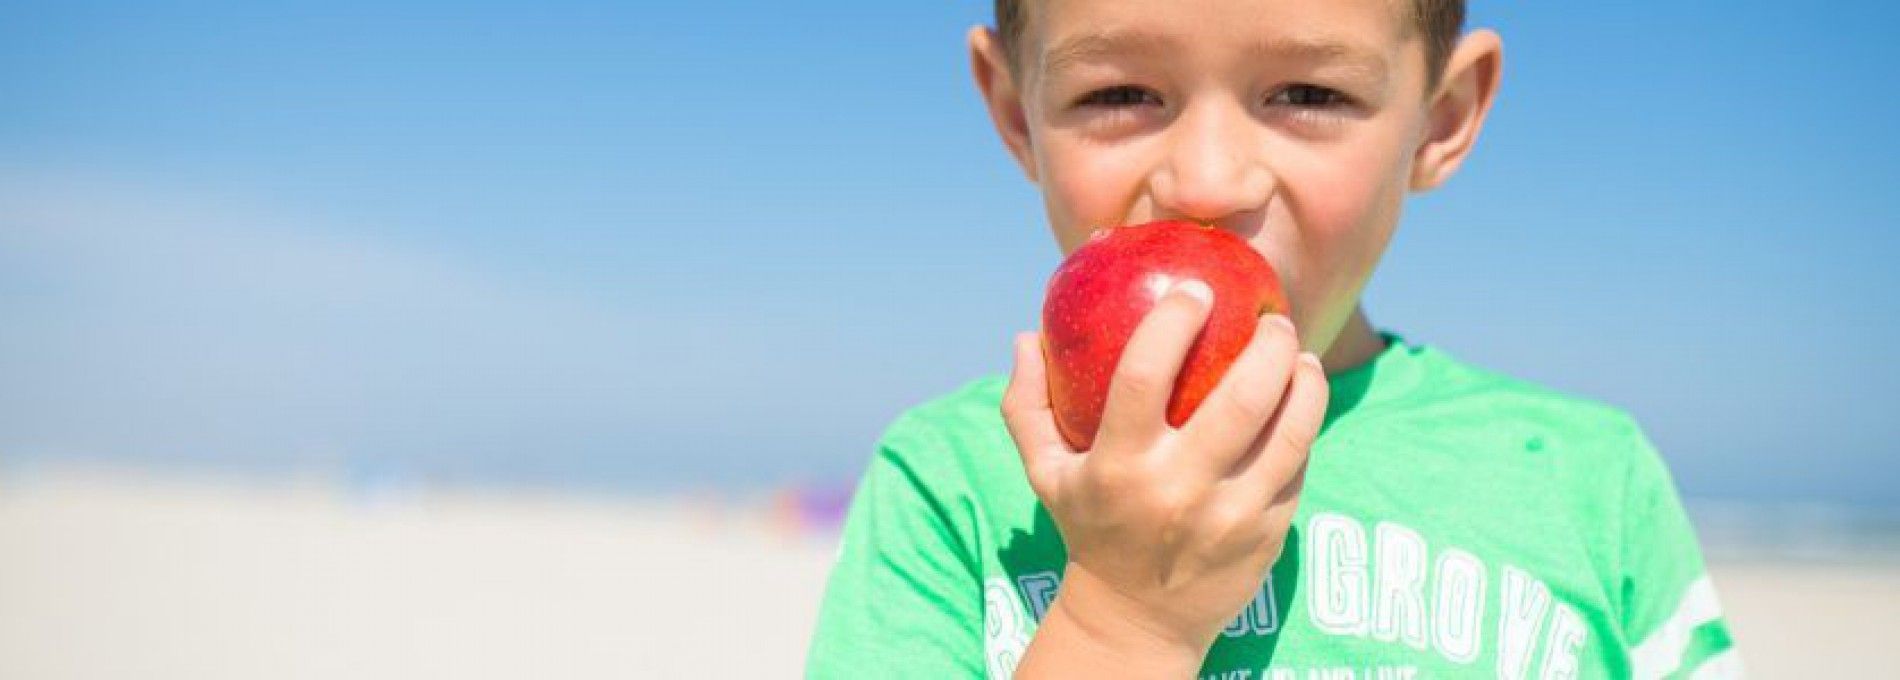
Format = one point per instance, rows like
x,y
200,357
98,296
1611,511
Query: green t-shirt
x,y
1454,523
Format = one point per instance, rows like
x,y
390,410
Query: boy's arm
x,y
1091,633
903,599
1671,615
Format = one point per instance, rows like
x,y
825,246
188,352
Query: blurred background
x,y
372,339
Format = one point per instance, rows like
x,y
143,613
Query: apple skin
x,y
1101,292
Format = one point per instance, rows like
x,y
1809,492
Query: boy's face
x,y
1298,125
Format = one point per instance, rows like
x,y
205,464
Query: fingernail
x,y
1196,289
1311,359
1280,320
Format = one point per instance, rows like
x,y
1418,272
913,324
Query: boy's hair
x,y
1440,21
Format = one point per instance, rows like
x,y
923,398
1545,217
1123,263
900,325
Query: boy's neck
x,y
1357,344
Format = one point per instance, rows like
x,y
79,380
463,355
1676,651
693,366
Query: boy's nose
x,y
1212,169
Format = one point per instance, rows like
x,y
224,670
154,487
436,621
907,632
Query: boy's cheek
x,y
1083,196
1343,233
1347,203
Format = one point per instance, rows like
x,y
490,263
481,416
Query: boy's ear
x,y
1456,111
1001,96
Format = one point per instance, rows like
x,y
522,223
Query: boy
x,y
1365,508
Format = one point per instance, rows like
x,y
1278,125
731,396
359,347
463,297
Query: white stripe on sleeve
x,y
1661,653
1726,665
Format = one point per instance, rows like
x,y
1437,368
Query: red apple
x,y
1101,292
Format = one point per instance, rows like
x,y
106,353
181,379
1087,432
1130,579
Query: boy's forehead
x,y
1065,30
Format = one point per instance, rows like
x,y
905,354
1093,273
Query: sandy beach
x,y
122,576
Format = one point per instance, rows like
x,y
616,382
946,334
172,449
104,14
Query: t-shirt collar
x,y
1394,371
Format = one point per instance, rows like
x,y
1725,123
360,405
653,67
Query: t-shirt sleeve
x,y
904,599
1671,615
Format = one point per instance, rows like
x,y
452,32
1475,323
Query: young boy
x,y
1450,522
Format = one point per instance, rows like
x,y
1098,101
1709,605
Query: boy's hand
x,y
1170,532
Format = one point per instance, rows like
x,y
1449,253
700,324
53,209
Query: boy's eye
x,y
1309,96
1119,96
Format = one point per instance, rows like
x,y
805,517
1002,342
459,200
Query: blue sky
x,y
723,243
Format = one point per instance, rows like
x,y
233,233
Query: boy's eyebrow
x,y
1360,60
1310,49
1081,47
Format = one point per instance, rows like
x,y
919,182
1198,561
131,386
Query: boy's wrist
x,y
1091,623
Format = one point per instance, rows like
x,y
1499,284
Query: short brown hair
x,y
1440,21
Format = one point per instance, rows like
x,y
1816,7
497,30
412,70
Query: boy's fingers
x,y
1247,398
1027,414
1280,454
1144,377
